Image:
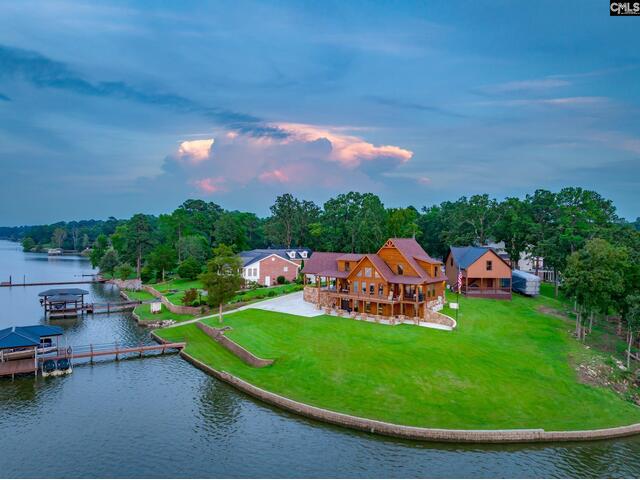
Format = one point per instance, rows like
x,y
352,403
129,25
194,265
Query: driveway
x,y
292,303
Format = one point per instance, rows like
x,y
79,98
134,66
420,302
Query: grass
x,y
247,296
145,316
139,295
506,366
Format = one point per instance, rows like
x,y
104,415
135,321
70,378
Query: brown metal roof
x,y
350,257
321,262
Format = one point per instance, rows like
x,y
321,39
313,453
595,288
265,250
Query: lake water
x,y
160,417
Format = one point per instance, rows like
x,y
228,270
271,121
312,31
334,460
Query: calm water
x,y
160,417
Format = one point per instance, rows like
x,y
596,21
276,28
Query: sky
x,y
113,108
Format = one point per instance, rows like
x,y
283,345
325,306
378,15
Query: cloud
x,y
409,105
348,150
559,102
44,72
195,151
307,157
210,185
525,85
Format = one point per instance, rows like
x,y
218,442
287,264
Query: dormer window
x,y
292,254
400,269
303,254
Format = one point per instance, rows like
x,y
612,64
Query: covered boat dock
x,y
20,347
63,302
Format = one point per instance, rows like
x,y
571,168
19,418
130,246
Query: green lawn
x,y
139,295
506,366
246,296
144,314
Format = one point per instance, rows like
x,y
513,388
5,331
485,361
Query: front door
x,y
267,281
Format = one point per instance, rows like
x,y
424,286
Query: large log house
x,y
399,280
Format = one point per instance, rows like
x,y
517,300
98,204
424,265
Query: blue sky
x,y
115,108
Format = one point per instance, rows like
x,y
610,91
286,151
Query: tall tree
x,y
281,226
58,236
230,231
138,239
162,258
403,222
633,322
513,227
98,250
222,278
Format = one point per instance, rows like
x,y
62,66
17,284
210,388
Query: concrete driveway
x,y
292,303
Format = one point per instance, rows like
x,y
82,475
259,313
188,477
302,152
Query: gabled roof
x,y
412,251
26,336
467,256
252,256
324,264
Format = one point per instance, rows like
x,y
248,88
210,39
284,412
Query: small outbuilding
x,y
482,272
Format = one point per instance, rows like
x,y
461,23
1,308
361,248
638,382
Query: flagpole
x,y
458,294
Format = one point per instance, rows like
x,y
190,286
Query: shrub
x,y
189,269
28,244
190,296
123,271
281,280
147,274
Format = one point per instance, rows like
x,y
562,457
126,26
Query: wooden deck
x,y
15,367
111,349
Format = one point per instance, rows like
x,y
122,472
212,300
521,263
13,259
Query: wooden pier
x,y
110,349
34,363
35,284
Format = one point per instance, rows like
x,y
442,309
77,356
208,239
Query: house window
x,y
380,290
359,273
364,287
367,307
376,274
372,289
367,272
285,269
292,254
451,261
355,287
303,254
380,310
400,269
255,272
489,265
347,267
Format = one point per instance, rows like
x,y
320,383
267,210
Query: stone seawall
x,y
217,334
413,433
178,309
132,284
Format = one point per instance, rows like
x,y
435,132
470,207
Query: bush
x,y
281,280
147,274
28,244
189,269
190,296
123,271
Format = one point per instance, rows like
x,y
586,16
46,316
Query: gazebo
x,y
63,302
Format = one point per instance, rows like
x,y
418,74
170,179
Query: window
x,y
451,261
255,272
285,269
355,287
367,272
372,289
380,290
364,287
303,254
489,265
359,273
376,274
367,307
292,254
380,310
400,269
347,267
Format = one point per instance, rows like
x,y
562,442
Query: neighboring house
x,y
527,263
484,272
400,279
265,265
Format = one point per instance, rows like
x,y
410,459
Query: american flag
x,y
459,280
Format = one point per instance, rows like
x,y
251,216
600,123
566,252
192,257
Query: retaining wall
x,y
132,284
217,334
413,433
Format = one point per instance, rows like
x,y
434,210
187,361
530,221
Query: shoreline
x,y
501,436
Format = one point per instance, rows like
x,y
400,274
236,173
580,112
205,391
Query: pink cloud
x,y
195,151
348,150
210,185
274,176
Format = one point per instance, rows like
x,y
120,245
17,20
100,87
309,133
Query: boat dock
x,y
37,361
24,283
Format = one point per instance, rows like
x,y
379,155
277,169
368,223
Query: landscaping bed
x,y
506,366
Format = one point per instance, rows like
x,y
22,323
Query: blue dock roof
x,y
29,336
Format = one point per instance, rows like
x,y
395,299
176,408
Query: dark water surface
x,y
160,417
